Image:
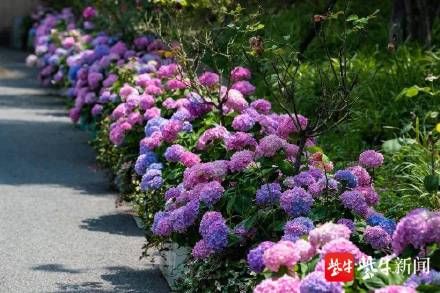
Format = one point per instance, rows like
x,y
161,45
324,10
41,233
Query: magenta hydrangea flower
x,y
175,84
189,159
236,101
240,73
89,12
371,159
146,101
239,141
127,90
209,79
218,132
370,195
171,130
262,106
168,71
362,175
245,87
377,237
296,202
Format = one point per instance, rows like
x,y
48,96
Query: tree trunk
x,y
412,20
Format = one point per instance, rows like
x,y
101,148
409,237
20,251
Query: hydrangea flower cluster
x,y
417,229
214,233
159,102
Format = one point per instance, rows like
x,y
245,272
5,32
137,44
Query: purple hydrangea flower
x,y
240,160
214,231
255,256
297,227
354,201
371,159
348,223
377,237
209,193
262,106
243,122
303,179
268,193
185,216
316,283
174,152
296,202
417,229
239,141
162,225
201,250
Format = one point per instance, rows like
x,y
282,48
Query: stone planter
x,y
172,262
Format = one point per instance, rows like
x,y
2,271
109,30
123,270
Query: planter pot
x,y
172,262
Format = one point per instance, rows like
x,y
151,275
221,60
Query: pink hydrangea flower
x,y
343,245
282,254
395,289
328,232
281,285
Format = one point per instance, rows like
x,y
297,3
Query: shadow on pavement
x,y
121,279
120,224
55,268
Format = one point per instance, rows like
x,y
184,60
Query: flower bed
x,y
209,166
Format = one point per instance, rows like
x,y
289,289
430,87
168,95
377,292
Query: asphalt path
x,y
59,228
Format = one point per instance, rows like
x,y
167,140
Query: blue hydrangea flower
x,y
347,178
154,124
385,223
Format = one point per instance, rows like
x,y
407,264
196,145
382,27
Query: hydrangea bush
x,y
210,166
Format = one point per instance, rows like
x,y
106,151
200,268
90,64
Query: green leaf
x,y
391,146
412,92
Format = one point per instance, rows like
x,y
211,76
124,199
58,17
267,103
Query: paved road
x,y
59,228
